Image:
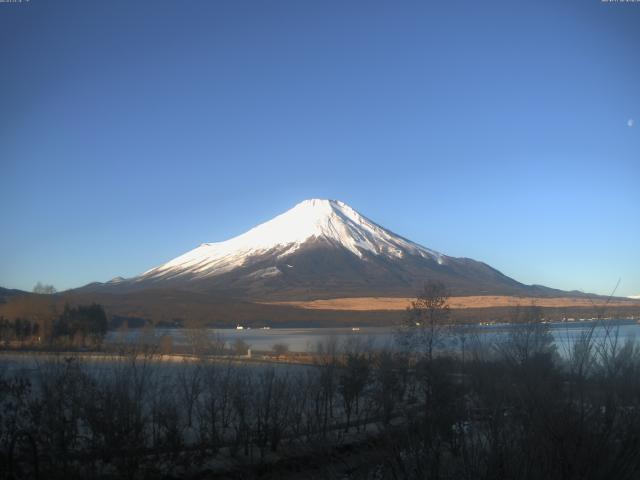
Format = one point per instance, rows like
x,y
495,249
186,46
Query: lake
x,y
307,339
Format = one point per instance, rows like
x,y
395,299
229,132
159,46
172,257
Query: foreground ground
x,y
499,408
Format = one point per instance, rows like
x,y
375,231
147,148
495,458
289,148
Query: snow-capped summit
x,y
319,249
311,220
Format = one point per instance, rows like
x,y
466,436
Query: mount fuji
x,y
319,249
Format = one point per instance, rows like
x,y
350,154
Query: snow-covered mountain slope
x,y
327,220
320,249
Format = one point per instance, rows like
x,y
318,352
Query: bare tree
x,y
280,349
352,382
166,344
270,408
528,337
426,320
388,389
215,409
240,347
190,388
44,289
217,343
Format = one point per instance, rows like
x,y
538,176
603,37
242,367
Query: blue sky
x,y
132,131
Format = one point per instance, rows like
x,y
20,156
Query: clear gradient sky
x,y
505,131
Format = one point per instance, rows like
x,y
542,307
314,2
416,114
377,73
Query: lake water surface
x,y
308,339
